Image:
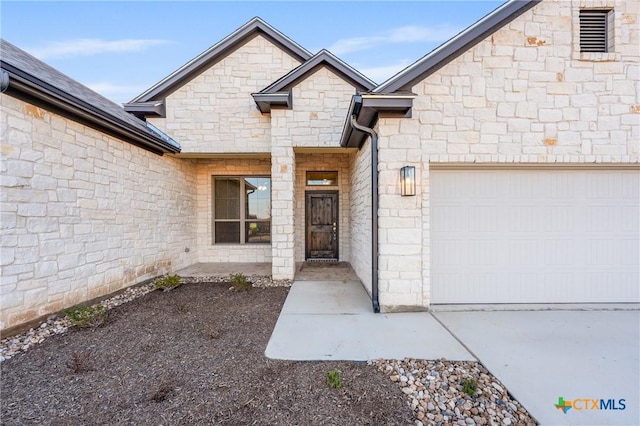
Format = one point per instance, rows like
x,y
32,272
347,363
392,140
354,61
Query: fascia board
x,y
22,83
322,58
265,101
220,50
456,46
153,108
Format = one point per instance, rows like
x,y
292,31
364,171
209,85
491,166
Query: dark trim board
x,y
26,78
278,93
456,46
217,52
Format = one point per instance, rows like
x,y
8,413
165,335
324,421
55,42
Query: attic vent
x,y
596,30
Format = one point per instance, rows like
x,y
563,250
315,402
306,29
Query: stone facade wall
x,y
84,214
323,162
207,250
283,202
320,103
400,221
360,214
215,112
523,95
526,94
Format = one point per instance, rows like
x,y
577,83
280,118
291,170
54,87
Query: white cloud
x,y
118,93
407,34
382,73
91,46
348,45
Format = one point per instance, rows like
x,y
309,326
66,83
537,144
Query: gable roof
x,y
217,52
279,92
394,95
456,46
30,79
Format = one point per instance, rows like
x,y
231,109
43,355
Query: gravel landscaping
x,y
195,355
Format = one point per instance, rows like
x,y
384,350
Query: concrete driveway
x,y
541,356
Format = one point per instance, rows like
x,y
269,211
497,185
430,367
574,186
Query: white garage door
x,y
535,236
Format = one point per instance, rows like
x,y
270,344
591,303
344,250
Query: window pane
x,y
221,188
258,198
242,218
228,232
227,198
257,232
322,178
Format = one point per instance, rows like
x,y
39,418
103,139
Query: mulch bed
x,y
194,355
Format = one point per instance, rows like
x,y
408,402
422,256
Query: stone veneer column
x,y
400,219
283,212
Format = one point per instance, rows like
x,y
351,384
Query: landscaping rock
x,y
444,403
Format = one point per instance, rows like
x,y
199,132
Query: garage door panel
x,y
483,219
628,223
537,236
630,255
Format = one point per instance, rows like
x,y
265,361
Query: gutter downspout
x,y
4,81
374,210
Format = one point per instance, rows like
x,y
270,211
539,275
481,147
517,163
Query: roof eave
x,y
279,92
367,107
220,50
453,48
30,89
265,101
146,109
322,58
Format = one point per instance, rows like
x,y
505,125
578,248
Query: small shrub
x,y
212,332
239,282
148,346
80,362
333,379
87,317
470,387
168,283
163,391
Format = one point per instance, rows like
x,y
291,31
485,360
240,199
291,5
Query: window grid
x,y
232,223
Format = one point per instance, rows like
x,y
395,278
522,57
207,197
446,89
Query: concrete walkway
x,y
333,320
305,271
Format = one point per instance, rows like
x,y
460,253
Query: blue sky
x,y
121,48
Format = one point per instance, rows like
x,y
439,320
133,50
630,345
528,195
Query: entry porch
x,y
281,209
304,271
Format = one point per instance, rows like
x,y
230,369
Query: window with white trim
x,y
596,30
241,209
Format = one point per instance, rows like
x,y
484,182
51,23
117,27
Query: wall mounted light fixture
x,y
408,181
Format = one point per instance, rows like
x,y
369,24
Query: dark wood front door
x,y
322,225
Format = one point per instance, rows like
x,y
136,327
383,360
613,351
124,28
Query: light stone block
x,y
47,226
496,103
